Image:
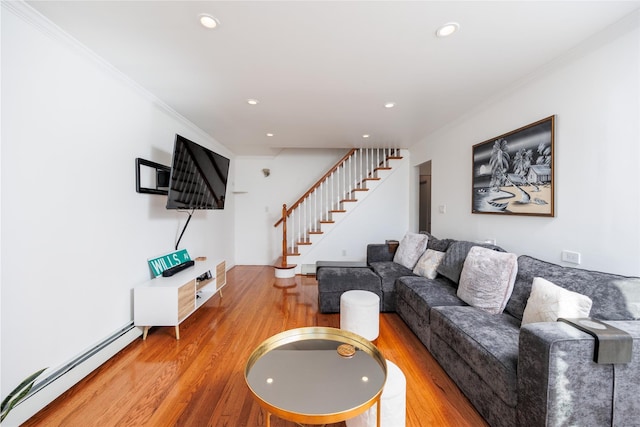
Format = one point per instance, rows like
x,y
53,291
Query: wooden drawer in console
x,y
221,274
186,299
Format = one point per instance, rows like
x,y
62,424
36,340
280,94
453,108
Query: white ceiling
x,y
322,70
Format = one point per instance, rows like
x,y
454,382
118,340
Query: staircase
x,y
328,200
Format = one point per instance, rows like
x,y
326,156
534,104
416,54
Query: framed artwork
x,y
513,173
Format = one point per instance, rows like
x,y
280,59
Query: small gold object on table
x,y
316,375
346,350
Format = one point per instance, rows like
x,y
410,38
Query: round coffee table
x,y
316,375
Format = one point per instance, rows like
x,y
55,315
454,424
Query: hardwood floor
x,y
199,380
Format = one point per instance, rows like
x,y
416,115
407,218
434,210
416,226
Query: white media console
x,y
167,301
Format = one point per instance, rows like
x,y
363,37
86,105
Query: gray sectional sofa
x,y
539,374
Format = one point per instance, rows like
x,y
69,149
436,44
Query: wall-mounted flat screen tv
x,y
198,177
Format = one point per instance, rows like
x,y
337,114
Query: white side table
x,y
360,313
393,403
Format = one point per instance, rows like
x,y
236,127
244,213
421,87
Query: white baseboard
x,y
47,394
308,269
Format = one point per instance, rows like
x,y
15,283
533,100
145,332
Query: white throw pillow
x,y
549,301
487,279
410,249
428,263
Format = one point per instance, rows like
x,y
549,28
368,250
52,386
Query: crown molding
x,y
31,16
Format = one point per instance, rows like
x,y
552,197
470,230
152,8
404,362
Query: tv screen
x,y
198,177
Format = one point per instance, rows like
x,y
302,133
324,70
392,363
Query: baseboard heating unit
x,y
69,374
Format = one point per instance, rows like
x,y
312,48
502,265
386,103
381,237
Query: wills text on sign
x,y
165,262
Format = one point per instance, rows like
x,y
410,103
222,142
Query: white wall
x,y
595,95
293,171
380,214
75,234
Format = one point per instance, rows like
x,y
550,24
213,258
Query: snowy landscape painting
x,y
513,173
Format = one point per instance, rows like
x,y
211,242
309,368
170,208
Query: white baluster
x,y
361,169
319,204
354,168
309,216
350,163
330,195
299,213
371,162
340,184
366,153
294,231
307,219
304,219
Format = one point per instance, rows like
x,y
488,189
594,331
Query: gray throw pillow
x,y
440,245
411,248
487,279
453,261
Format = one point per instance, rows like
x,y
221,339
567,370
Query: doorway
x,y
424,202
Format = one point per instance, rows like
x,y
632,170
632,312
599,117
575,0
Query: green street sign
x,y
165,262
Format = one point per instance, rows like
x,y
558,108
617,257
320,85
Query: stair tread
x,y
287,267
381,160
278,265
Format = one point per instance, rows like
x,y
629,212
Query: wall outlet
x,y
571,257
442,209
344,252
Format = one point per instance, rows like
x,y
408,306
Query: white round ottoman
x,y
360,313
393,403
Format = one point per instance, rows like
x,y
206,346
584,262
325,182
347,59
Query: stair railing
x,y
329,194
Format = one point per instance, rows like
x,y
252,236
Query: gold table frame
x,y
317,333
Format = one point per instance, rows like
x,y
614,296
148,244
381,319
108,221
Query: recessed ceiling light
x,y
447,29
366,135
252,101
389,104
269,134
208,21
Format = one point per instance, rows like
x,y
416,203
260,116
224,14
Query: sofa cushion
x,y
333,281
410,249
389,272
428,263
487,278
453,261
423,294
487,343
547,302
614,297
